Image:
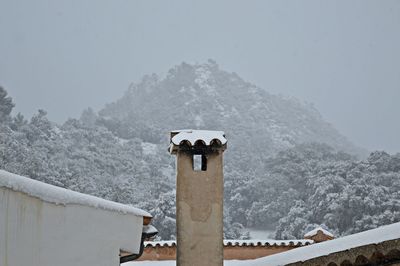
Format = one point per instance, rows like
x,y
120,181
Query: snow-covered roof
x,y
192,136
315,232
240,243
61,196
374,236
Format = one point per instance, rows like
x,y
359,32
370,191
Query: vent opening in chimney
x,y
199,162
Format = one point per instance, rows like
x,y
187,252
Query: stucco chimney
x,y
199,196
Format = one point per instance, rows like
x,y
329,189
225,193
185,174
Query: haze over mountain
x,y
342,56
203,96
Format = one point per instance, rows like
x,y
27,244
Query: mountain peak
x,y
203,95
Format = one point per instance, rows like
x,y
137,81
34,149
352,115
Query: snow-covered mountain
x,y
202,96
273,179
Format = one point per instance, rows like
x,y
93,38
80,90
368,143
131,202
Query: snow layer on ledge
x,y
149,229
62,196
173,263
315,232
194,135
294,242
374,236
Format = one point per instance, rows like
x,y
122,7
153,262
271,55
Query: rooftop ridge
x,y
240,243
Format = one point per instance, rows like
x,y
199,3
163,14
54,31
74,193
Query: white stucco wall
x,y
35,232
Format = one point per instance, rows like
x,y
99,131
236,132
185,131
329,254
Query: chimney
x,y
199,196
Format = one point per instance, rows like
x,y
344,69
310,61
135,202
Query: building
x,y
380,246
238,249
45,225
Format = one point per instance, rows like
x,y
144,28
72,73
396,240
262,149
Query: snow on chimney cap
x,y
195,137
206,136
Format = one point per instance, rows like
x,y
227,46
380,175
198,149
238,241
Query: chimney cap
x,y
193,139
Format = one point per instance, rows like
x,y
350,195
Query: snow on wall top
x,y
197,135
315,232
62,196
374,236
263,243
240,243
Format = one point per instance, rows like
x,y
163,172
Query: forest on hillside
x,y
290,190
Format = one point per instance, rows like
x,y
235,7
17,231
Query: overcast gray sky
x,y
344,56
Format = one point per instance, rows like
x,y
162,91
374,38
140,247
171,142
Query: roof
x,y
315,232
62,196
373,237
241,243
266,243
